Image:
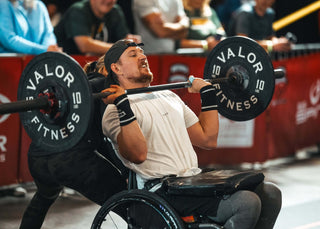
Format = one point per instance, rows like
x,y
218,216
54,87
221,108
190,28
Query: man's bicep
x,y
111,123
193,125
195,133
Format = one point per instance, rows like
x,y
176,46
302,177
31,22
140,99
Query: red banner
x,y
10,70
294,110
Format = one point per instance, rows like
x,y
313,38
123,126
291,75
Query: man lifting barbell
x,y
153,134
59,101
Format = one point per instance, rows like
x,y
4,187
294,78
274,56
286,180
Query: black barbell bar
x,y
42,102
231,78
25,105
170,86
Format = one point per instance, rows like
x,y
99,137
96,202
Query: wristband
x,y
204,45
126,115
191,79
269,46
208,98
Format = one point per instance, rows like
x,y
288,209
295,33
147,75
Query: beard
x,y
145,78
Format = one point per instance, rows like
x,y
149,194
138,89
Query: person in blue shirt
x,y
25,27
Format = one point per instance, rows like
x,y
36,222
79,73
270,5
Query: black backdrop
x,y
307,28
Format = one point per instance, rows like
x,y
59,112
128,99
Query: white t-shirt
x,y
163,118
170,9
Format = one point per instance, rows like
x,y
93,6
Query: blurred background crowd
x,y
90,27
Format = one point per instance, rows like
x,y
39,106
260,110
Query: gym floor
x,y
298,178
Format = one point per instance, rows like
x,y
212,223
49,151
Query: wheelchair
x,y
141,209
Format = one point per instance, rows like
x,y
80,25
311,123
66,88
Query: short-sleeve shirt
x,y
170,10
247,21
79,20
163,118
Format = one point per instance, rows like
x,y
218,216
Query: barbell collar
x,y
279,73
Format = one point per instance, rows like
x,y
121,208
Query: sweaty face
x,y
134,67
101,7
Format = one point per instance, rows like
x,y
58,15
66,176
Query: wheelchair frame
x,y
144,210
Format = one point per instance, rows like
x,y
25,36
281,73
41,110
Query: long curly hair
x,y
95,66
98,67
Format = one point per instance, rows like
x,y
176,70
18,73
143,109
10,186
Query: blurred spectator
x,y
160,23
205,29
91,26
255,20
57,8
226,9
25,27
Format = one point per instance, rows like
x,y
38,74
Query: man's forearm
x,y
175,31
179,28
87,45
162,29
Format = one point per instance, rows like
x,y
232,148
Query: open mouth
x,y
144,64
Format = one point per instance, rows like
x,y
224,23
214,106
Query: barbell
x,y
55,101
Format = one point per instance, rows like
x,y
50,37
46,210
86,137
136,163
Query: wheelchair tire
x,y
137,209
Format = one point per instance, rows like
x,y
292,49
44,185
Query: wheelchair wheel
x,y
137,209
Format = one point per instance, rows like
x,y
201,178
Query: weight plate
x,y
245,57
61,76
